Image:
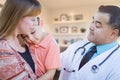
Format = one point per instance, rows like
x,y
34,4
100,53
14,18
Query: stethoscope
x,y
94,68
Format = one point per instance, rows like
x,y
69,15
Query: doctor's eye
x,y
98,24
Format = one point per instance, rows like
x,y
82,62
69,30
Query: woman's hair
x,y
13,11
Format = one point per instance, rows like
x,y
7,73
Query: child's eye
x,y
33,20
33,32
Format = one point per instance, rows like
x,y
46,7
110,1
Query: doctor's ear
x,y
115,33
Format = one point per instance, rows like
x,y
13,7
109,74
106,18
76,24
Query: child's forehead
x,y
26,19
29,21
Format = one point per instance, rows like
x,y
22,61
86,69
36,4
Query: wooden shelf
x,y
72,35
68,32
70,22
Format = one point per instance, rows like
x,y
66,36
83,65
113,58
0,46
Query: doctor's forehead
x,y
101,17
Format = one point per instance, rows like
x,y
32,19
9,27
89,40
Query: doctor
x,y
105,62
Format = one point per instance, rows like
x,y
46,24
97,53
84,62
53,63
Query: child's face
x,y
31,31
33,35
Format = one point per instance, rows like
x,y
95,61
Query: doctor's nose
x,y
92,26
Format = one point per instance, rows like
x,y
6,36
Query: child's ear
x,y
38,20
41,23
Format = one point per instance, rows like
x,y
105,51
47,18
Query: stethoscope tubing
x,y
108,56
94,67
83,47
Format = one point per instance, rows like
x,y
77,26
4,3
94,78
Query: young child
x,y
46,50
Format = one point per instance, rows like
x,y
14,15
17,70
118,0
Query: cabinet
x,y
68,32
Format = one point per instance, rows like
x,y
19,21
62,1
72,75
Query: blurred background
x,y
68,20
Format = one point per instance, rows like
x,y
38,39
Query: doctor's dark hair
x,y
114,12
13,11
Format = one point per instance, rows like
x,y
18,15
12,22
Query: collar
x,y
105,47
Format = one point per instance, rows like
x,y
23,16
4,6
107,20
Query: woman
x,y
13,63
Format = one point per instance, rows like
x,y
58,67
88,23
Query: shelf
x,y
70,22
70,34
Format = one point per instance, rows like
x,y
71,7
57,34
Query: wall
x,y
88,11
44,16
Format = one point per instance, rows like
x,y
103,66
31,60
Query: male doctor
x,y
104,64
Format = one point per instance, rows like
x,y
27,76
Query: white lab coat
x,y
109,70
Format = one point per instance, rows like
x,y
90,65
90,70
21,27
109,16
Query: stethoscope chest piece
x,y
94,68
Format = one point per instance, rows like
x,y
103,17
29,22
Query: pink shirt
x,y
47,53
12,65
